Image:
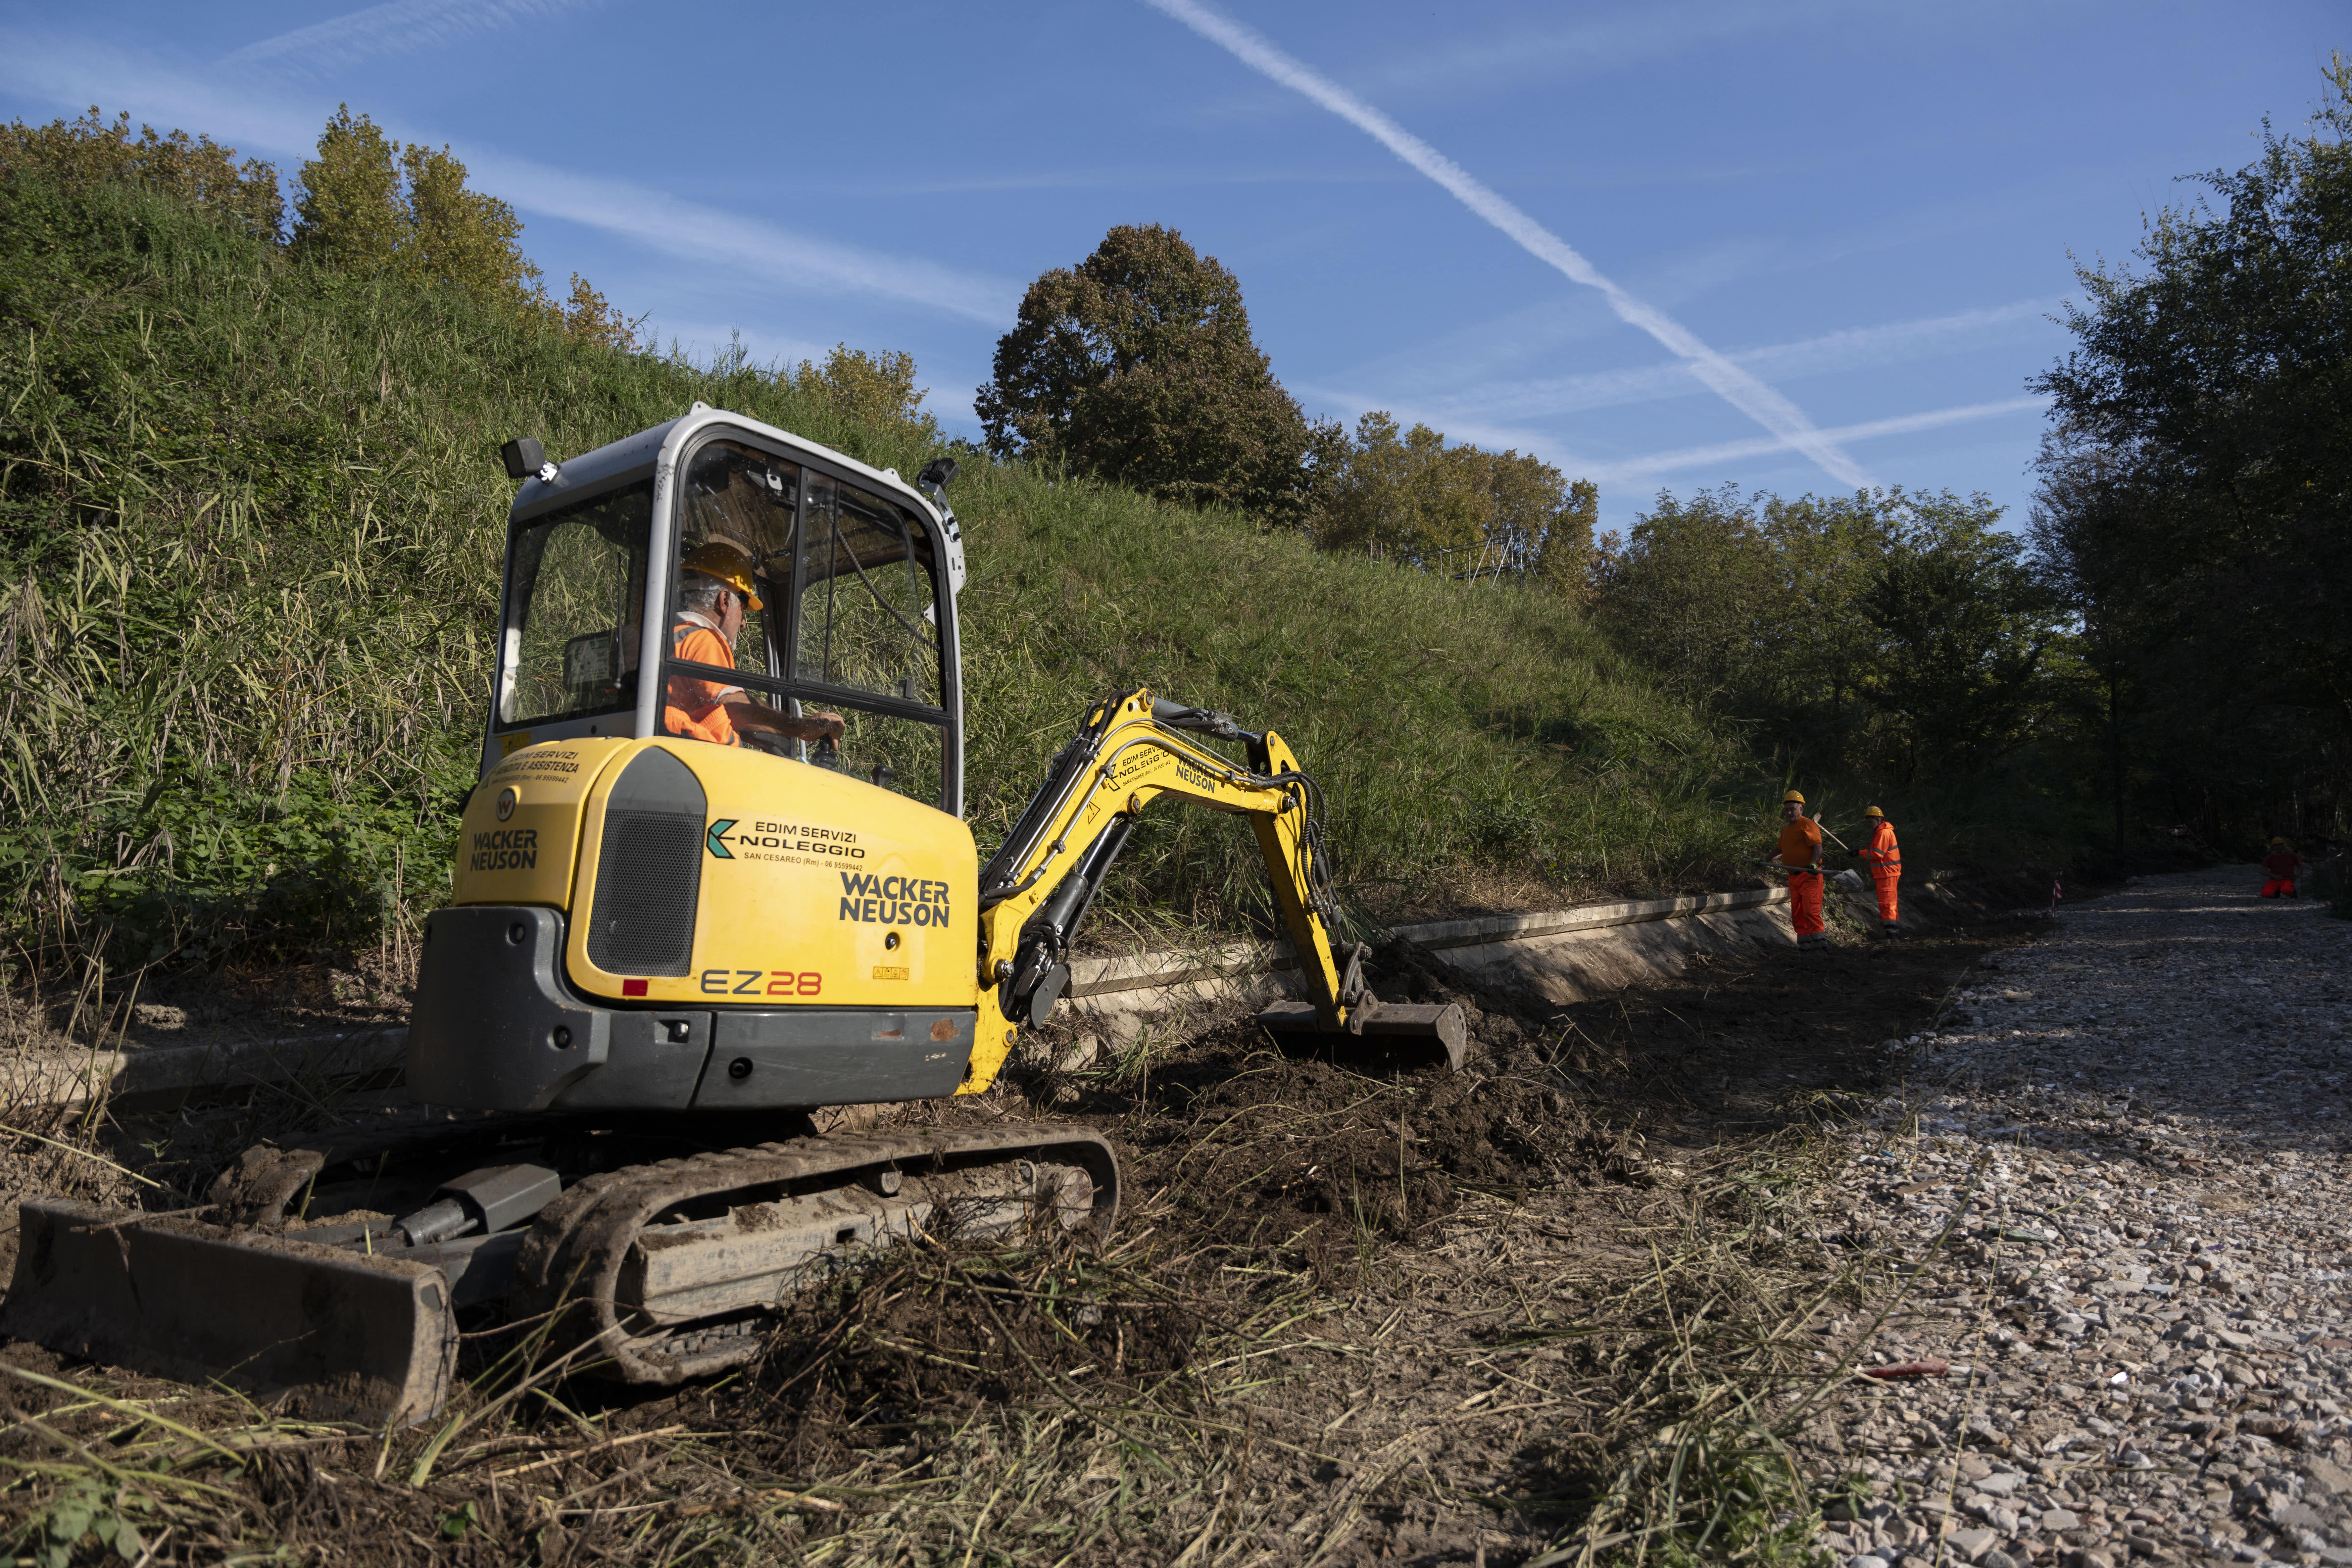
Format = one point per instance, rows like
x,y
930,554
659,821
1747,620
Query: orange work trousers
x,y
2279,887
1805,903
1887,882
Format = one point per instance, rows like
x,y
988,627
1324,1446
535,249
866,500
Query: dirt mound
x,y
1334,1151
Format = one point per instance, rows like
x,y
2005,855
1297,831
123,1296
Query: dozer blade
x,y
346,1336
1410,1034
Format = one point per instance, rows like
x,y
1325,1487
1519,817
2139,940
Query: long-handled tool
x,y
1846,879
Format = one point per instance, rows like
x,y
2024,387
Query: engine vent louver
x,y
648,869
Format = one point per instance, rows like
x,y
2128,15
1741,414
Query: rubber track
x,y
570,1262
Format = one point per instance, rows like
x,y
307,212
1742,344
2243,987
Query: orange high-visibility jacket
x,y
1800,842
1885,857
693,707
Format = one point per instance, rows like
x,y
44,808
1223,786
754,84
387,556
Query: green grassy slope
x,y
250,516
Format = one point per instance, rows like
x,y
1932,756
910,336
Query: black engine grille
x,y
648,869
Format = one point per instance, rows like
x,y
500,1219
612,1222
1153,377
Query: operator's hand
x,y
818,724
822,724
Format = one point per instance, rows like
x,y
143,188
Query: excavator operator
x,y
1801,856
715,593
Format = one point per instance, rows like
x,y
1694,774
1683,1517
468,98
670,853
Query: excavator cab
x,y
852,572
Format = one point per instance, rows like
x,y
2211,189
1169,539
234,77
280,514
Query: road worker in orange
x,y
715,593
1801,856
1885,858
2281,866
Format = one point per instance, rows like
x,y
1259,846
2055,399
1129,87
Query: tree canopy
x,y
369,204
1408,496
1138,365
80,154
1898,635
365,205
2196,484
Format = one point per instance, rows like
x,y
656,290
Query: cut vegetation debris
x,y
1557,1308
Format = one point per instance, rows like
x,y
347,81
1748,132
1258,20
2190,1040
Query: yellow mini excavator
x,y
714,876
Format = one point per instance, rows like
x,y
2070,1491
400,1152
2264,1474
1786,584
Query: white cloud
x,y
76,72
1736,386
394,27
1634,35
1616,473
744,241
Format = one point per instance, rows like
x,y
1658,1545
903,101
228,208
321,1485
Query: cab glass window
x,y
730,584
866,609
579,576
736,510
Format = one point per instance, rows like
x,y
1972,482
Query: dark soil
x,y
1409,1218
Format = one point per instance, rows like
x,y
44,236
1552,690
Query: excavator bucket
x,y
342,1335
1408,1034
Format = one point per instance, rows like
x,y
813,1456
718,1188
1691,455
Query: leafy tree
x,y
367,205
1958,629
460,236
1138,365
2196,482
1407,496
348,210
878,389
1682,592
589,317
1563,560
76,155
1885,634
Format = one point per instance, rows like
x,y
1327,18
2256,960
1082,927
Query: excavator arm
x,y
1131,751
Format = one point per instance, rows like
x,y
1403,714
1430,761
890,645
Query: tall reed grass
x,y
250,523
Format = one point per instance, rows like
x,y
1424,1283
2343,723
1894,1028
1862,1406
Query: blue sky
x,y
1800,247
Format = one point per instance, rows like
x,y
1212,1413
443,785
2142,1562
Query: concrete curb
x,y
1566,954
151,1072
1227,961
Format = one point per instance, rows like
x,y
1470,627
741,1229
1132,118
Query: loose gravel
x,y
2117,1185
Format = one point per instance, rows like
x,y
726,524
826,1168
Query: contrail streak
x,y
1900,424
1736,386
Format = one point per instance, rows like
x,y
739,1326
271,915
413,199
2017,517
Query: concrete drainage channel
x,y
1566,954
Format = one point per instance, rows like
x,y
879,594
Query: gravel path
x,y
2140,1123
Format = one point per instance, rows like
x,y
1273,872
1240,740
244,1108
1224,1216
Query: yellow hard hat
x,y
1872,811
1792,795
727,564
2278,843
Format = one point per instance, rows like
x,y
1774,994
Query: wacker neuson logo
x,y
505,849
893,900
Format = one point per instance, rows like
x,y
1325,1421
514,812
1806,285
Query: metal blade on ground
x,y
1410,1034
358,1338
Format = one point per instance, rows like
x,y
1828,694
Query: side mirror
x,y
522,458
526,459
936,475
